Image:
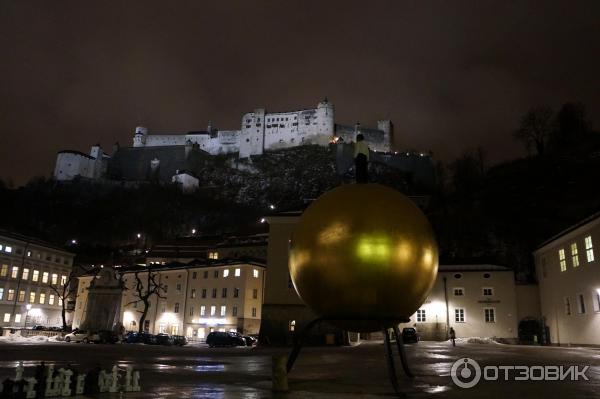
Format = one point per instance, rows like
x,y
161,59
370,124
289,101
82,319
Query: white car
x,y
78,336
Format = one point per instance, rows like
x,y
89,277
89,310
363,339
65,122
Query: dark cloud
x,y
451,75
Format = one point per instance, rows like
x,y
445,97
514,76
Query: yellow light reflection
x,y
335,233
404,251
373,248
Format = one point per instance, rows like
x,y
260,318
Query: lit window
x,y
8,249
43,298
490,315
562,259
21,296
29,253
176,310
292,325
1,294
234,311
459,291
25,274
213,255
15,272
421,316
18,318
60,302
581,303
255,273
11,295
567,303
253,312
213,310
54,278
4,271
589,249
237,272
45,277
574,255
1,247
459,315
488,291
202,310
35,276
63,280
225,273
6,317
51,299
193,294
32,297
223,310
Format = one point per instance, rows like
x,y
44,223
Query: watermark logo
x,y
466,373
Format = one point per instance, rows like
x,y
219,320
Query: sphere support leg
x,y
402,353
390,361
299,341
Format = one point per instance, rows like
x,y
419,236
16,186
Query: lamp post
x,y
28,307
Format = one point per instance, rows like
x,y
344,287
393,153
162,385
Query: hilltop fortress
x,y
175,157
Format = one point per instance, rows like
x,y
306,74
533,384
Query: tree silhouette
x,y
144,291
535,129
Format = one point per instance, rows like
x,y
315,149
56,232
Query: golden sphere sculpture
x,y
363,255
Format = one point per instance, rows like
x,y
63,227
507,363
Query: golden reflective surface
x,y
363,251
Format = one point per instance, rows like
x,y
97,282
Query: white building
x,y
569,281
200,297
186,180
72,164
28,269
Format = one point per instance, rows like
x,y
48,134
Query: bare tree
x,y
143,292
535,128
66,290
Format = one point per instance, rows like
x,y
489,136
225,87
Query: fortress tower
x,y
325,120
139,138
387,127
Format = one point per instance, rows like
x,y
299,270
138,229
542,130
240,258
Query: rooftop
x,y
32,240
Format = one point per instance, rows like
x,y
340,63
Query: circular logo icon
x,y
465,372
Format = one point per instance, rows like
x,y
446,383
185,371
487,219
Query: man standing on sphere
x,y
361,159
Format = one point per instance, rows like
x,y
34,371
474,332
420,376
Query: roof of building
x,y
569,229
190,247
32,240
473,268
194,264
76,153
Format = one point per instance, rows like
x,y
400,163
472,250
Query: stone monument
x,y
103,308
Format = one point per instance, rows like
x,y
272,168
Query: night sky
x,y
451,75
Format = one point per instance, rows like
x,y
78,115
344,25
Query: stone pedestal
x,y
103,308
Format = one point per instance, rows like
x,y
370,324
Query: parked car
x,y
142,338
250,341
221,338
409,334
38,327
104,337
78,336
179,340
164,339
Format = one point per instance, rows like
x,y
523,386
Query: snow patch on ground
x,y
17,338
476,340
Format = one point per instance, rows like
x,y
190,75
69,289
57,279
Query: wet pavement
x,y
320,372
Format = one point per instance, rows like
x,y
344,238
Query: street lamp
x,y
139,235
28,307
193,231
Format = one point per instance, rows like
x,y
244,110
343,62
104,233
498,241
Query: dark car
x,y
179,340
221,338
38,327
164,339
140,338
409,334
104,337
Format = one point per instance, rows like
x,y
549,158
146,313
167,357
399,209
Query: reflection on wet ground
x,y
325,372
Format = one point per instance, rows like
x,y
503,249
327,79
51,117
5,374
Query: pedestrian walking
x,y
453,336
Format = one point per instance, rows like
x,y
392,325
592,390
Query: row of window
x,y
237,272
485,291
562,256
581,303
236,292
489,315
33,296
9,250
213,310
35,275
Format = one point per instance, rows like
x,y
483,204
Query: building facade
x,y
29,268
567,271
199,297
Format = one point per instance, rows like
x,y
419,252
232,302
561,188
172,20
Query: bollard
x,y
279,373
